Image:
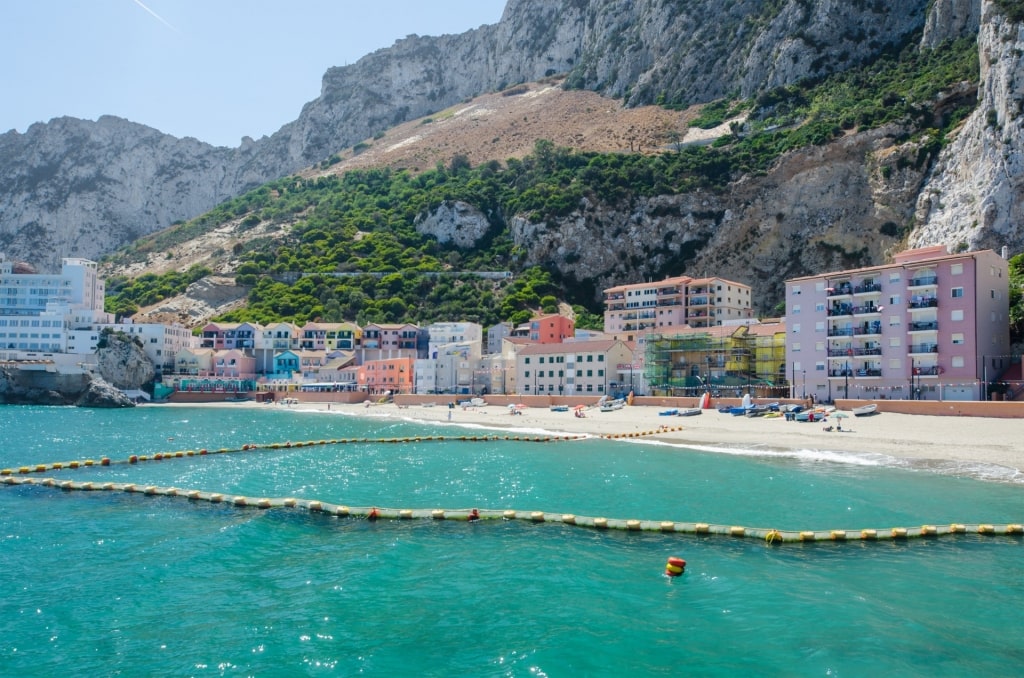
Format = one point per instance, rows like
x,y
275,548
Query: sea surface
x,y
115,583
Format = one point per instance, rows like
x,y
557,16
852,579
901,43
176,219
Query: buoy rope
x,y
180,454
771,536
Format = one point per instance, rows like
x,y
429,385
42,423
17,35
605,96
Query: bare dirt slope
x,y
507,124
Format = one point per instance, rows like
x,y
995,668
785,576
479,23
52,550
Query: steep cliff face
x,y
78,188
974,198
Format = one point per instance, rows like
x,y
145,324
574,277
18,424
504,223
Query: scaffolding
x,y
730,364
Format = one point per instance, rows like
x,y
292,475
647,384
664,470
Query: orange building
x,y
551,329
389,374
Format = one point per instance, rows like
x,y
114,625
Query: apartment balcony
x,y
923,348
929,371
869,309
840,290
868,288
923,326
924,281
840,309
699,301
859,331
853,352
923,303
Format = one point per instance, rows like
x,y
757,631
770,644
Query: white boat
x,y
864,410
612,405
688,412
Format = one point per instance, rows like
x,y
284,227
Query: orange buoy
x,y
675,567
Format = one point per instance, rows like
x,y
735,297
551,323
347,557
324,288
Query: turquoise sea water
x,y
108,583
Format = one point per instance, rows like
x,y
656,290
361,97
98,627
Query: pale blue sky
x,y
216,70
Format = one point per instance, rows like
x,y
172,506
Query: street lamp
x,y
804,387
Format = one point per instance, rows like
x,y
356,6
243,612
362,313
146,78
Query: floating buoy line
x,y
23,475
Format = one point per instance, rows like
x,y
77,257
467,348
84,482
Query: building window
x,y
819,326
958,338
796,309
894,321
795,347
956,269
957,292
894,277
956,315
957,361
796,328
894,341
894,363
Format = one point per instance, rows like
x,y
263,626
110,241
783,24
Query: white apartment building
x,y
160,342
576,368
45,314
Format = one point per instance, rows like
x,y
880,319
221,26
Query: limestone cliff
x,y
80,188
974,197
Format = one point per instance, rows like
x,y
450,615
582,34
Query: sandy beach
x,y
951,442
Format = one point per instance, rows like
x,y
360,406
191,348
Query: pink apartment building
x,y
930,325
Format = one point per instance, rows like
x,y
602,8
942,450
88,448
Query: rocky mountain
x,y
72,187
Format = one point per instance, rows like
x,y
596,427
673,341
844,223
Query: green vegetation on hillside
x,y
125,296
353,236
1016,266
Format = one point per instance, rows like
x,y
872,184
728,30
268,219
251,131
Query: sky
x,y
216,70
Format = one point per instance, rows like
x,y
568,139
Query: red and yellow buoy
x,y
675,567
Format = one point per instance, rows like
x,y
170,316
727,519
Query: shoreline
x,y
953,443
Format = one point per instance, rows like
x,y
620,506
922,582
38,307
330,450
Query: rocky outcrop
x,y
456,222
41,387
99,393
974,197
122,362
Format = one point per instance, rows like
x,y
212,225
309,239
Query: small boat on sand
x,y
612,405
688,412
559,408
865,410
668,413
